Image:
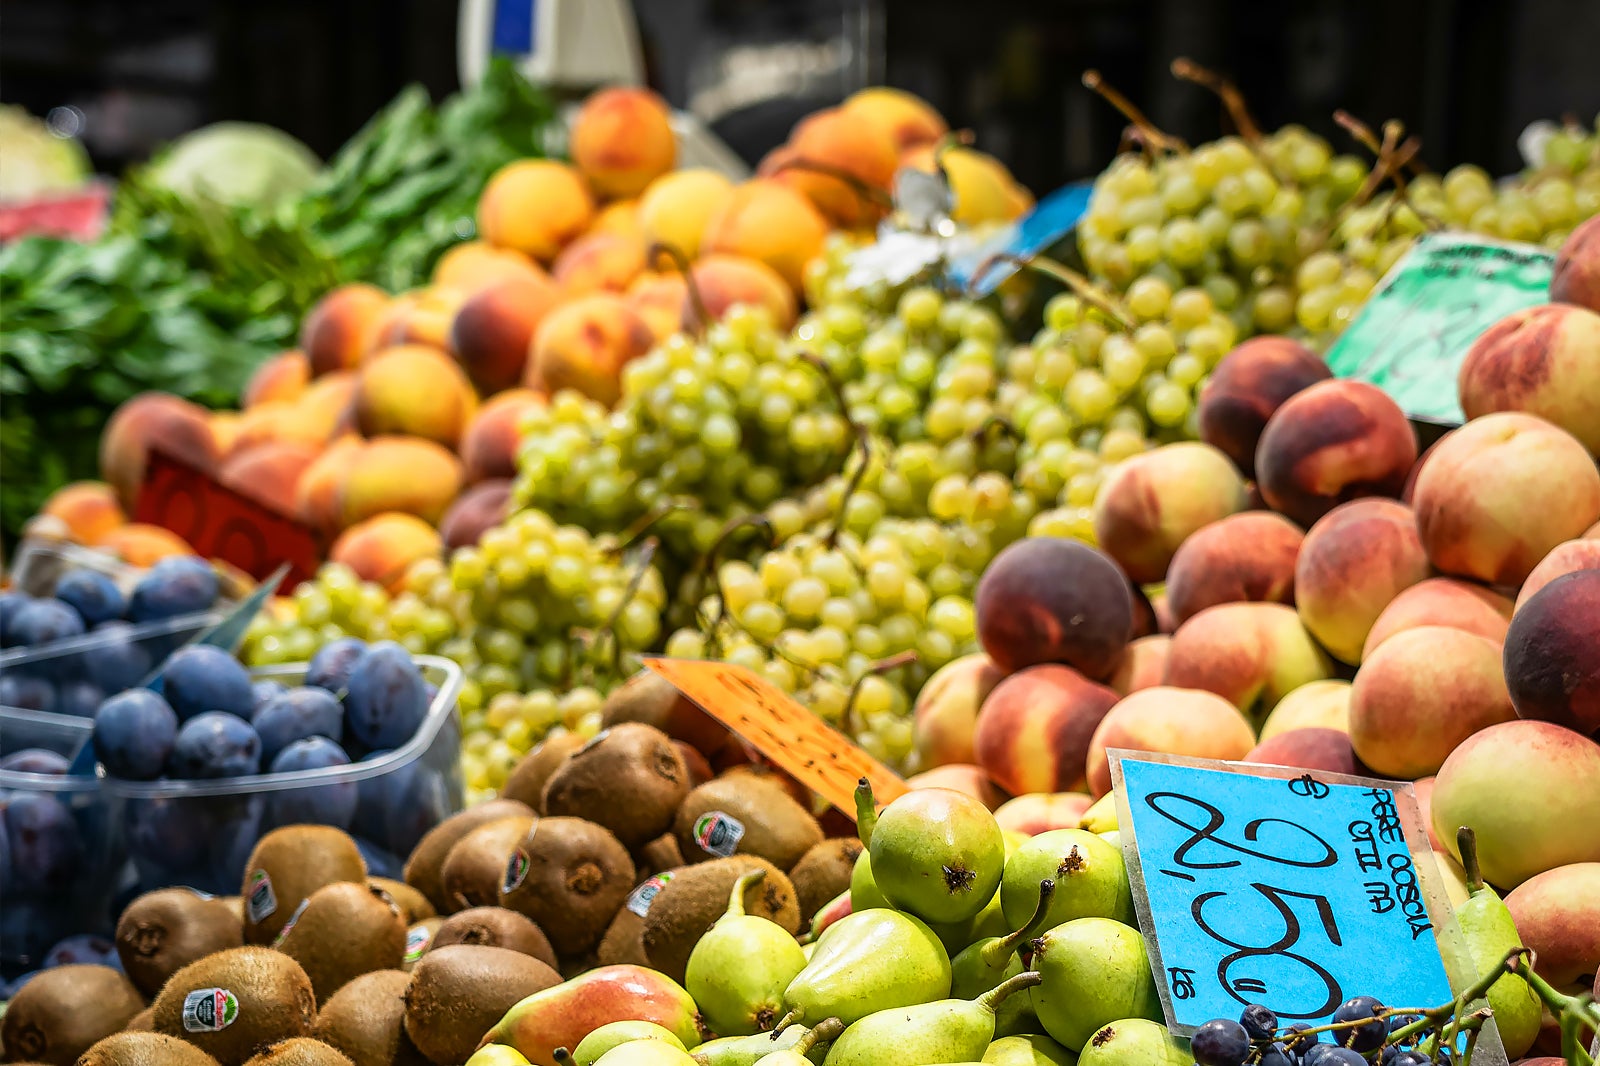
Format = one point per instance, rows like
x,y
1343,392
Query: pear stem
x,y
563,1057
1467,842
866,812
998,950
736,897
997,995
826,1032
783,1023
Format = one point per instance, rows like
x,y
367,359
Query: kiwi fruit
x,y
696,896
144,1049
496,927
629,778
623,943
161,932
696,763
458,993
474,867
289,864
413,904
650,699
569,876
419,938
660,854
824,872
343,931
144,1021
366,1019
422,868
301,1051
65,1011
235,904
738,815
263,995
527,779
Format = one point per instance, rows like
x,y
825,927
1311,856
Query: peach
x,y
283,377
489,446
902,119
1247,557
675,208
838,159
493,330
1173,721
225,429
1565,558
598,262
1353,563
477,510
964,778
584,344
945,714
1421,694
422,317
1442,601
726,280
274,422
88,508
1557,914
1309,749
474,265
660,299
316,496
1500,492
1321,704
1576,278
1332,442
1540,360
407,474
328,405
1552,653
1033,731
384,546
1531,791
1247,386
1145,622
1149,504
767,220
1143,665
414,390
153,419
534,206
622,140
1422,789
1040,812
1251,654
268,472
335,331
1054,600
620,218
142,544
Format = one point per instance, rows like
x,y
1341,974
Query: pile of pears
x,y
956,944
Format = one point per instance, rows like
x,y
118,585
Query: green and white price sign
x,y
1413,333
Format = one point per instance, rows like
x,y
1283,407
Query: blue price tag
x,y
1051,219
1262,884
513,29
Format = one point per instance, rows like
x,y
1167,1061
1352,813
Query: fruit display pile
x,y
988,539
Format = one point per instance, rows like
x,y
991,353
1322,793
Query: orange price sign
x,y
822,759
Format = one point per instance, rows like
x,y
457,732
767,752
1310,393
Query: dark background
x,y
1465,75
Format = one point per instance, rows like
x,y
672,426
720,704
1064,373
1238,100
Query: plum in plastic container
x,y
200,833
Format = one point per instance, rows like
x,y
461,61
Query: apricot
x,y
409,474
1150,503
143,545
1251,654
1041,812
1050,599
1033,730
411,389
766,220
489,446
383,547
422,317
659,299
1564,558
278,421
1541,361
598,262
478,510
316,496
328,404
268,472
584,344
225,429
675,208
1247,386
474,265
1143,665
1552,653
1333,442
964,778
620,218
89,509
901,118
725,281
1246,557
283,377
493,331
1499,493
1576,277
335,331
153,419
838,159
945,714
1323,704
1173,721
1442,601
622,140
1313,748
535,206
1355,560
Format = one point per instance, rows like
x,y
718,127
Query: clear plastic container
x,y
200,833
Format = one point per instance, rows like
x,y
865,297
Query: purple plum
x,y
44,622
134,734
121,661
46,851
29,693
93,595
387,699
177,585
330,804
83,949
330,667
36,761
215,744
10,604
203,678
79,698
298,713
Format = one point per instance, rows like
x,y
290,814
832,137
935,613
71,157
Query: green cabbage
x,y
37,161
240,164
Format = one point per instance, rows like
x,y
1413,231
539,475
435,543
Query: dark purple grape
x,y
1300,1044
177,585
297,714
1409,1058
1362,1038
1260,1022
330,667
387,699
1316,1053
203,678
1220,1042
1343,1056
215,744
1277,1055
330,804
134,734
93,595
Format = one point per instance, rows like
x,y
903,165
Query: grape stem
x,y
1080,286
1363,133
680,262
709,564
1163,141
863,441
647,555
882,666
870,195
643,524
1232,99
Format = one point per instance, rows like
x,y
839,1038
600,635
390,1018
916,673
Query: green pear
x,y
1113,837
1032,1049
926,1034
1094,971
938,854
1101,817
612,1034
989,962
748,1050
1490,933
1135,1042
739,968
644,1053
799,1054
1090,877
870,961
864,894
